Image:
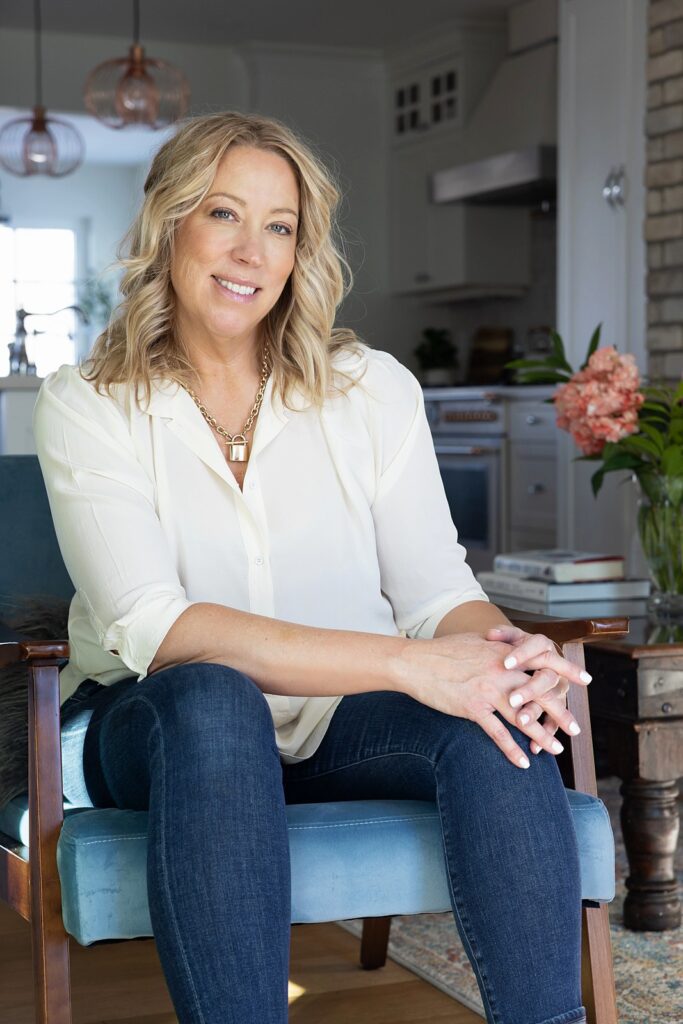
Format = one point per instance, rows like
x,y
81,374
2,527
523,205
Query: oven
x,y
469,429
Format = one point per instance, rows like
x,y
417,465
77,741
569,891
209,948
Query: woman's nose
x,y
248,248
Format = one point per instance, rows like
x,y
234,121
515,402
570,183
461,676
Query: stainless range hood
x,y
508,151
520,178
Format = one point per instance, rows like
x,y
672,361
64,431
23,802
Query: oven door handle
x,y
461,449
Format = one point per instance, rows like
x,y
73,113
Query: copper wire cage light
x,y
136,90
40,144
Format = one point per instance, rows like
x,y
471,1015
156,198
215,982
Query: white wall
x,y
99,198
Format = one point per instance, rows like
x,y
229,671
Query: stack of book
x,y
565,584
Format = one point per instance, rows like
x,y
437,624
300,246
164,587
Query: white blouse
x,y
342,523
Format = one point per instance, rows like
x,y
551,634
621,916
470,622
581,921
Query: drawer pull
x,y
667,708
535,489
532,419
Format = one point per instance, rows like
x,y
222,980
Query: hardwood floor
x,y
122,983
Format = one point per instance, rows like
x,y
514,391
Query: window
x,y
38,273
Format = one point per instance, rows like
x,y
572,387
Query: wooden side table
x,y
636,703
636,707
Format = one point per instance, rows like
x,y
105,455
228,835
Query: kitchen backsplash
x,y
538,307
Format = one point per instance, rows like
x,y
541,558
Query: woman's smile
x,y
236,290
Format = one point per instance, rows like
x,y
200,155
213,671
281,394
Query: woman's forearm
x,y
471,617
283,657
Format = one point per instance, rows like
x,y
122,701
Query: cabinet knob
x,y
532,419
614,189
422,277
535,489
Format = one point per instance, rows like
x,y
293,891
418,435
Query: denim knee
x,y
194,699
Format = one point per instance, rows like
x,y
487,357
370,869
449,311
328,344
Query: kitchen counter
x,y
20,382
514,392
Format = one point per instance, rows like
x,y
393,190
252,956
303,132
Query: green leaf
x,y
596,481
541,377
594,342
520,364
653,433
672,460
559,352
622,460
637,442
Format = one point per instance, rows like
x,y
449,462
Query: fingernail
x,y
516,699
510,661
523,719
574,728
524,762
535,749
585,677
557,747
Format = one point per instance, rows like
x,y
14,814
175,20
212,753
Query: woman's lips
x,y
235,296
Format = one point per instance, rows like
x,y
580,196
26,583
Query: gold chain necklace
x,y
236,444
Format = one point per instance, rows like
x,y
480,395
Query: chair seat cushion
x,y
356,858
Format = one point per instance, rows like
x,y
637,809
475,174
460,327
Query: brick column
x,y
664,181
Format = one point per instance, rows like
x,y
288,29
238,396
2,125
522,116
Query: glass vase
x,y
660,526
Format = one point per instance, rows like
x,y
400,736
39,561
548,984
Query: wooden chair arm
x,y
564,631
33,651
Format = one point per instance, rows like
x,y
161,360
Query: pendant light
x,y
40,144
136,90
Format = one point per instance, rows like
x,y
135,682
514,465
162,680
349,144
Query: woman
x,y
249,505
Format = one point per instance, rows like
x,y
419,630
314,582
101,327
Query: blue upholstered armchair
x,y
81,871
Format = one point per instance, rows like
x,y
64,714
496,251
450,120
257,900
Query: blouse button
x,y
258,560
252,485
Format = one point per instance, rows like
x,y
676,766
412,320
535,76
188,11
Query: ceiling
x,y
305,22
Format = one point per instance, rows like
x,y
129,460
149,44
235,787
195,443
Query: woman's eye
x,y
281,229
222,214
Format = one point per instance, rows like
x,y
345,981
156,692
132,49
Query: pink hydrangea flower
x,y
601,402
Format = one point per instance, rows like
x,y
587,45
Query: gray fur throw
x,y
40,618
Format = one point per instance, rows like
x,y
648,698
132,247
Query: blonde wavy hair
x,y
141,343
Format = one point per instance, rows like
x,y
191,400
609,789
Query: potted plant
x,y
437,356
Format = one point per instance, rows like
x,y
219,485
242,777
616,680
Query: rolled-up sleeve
x,y
102,504
423,567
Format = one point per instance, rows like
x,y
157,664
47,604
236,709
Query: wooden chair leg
x,y
49,939
375,942
51,976
597,974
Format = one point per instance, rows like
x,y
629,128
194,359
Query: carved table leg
x,y
650,823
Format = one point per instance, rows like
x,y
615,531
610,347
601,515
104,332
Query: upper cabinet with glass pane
x,y
436,81
427,100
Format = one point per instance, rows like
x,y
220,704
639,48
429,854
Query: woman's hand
x,y
464,674
536,651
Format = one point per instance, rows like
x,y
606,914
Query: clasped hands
x,y
545,691
493,687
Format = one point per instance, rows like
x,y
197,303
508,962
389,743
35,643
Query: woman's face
x,y
234,253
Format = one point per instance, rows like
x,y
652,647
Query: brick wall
x,y
664,180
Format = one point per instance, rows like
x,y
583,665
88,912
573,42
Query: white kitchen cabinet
x,y
451,246
601,251
532,475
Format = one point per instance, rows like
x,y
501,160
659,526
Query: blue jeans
x,y
195,745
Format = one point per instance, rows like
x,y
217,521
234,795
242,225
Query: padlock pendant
x,y
237,448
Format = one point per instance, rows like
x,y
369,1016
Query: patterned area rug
x,y
648,966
